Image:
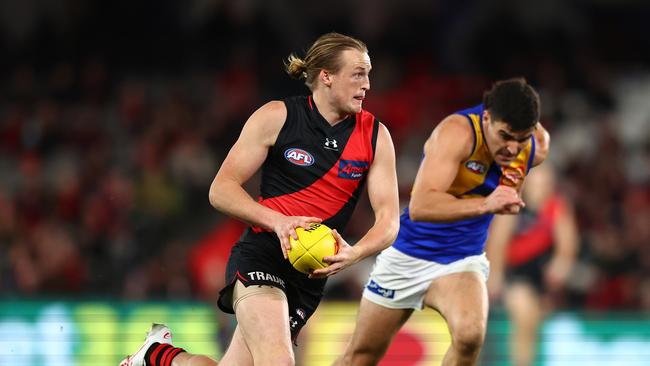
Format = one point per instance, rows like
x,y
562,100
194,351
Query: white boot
x,y
158,333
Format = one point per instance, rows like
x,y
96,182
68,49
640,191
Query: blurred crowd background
x,y
115,116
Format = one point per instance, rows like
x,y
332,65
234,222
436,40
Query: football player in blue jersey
x,y
473,167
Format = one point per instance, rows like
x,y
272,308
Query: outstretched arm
x,y
383,195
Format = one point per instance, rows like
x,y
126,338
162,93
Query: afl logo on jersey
x,y
299,157
476,166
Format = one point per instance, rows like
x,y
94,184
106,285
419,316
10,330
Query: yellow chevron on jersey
x,y
479,175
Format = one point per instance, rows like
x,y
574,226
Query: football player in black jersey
x,y
316,153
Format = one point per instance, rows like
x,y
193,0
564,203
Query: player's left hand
x,y
346,257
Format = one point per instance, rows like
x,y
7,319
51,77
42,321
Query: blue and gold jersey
x,y
478,176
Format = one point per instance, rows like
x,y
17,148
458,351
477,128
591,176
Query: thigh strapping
x,y
241,293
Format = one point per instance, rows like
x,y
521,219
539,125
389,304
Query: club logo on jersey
x,y
512,176
331,144
476,166
299,157
352,169
384,292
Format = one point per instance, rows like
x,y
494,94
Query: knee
x,y
286,358
468,338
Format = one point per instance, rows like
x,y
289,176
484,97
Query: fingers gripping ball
x,y
313,244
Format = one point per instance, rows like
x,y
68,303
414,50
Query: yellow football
x,y
313,244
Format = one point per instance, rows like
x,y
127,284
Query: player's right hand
x,y
285,226
504,200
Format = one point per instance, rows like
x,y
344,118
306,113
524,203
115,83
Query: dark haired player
x,y
473,167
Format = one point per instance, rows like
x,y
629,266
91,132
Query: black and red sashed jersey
x,y
315,169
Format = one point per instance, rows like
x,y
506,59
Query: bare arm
x,y
245,157
449,145
543,140
566,241
383,195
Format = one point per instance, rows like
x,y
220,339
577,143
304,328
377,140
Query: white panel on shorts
x,y
399,281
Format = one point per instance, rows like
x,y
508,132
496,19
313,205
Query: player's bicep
x,y
242,161
251,148
382,176
449,144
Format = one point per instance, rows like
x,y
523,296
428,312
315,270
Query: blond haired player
x,y
316,153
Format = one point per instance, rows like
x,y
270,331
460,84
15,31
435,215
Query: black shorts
x,y
530,272
256,259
